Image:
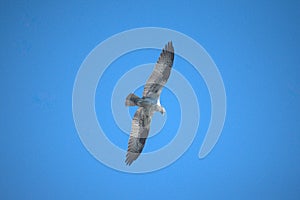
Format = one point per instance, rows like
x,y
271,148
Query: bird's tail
x,y
131,100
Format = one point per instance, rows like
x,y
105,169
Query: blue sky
x,y
255,45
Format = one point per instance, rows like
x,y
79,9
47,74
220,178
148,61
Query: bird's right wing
x,y
138,135
161,73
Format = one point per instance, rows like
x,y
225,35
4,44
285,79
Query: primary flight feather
x,y
148,104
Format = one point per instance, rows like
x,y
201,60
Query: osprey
x,y
148,104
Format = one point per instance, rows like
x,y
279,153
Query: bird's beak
x,y
163,111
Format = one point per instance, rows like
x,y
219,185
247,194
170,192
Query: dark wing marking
x,y
161,73
138,135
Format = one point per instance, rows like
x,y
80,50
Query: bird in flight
x,y
148,104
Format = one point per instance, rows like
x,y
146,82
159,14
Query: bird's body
x,y
148,104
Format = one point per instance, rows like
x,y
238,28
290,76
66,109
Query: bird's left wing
x,y
138,135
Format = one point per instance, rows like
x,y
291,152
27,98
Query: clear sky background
x,y
255,45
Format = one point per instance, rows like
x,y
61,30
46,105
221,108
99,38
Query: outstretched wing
x,y
160,73
139,133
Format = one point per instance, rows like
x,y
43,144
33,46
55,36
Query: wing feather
x,y
161,73
138,135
